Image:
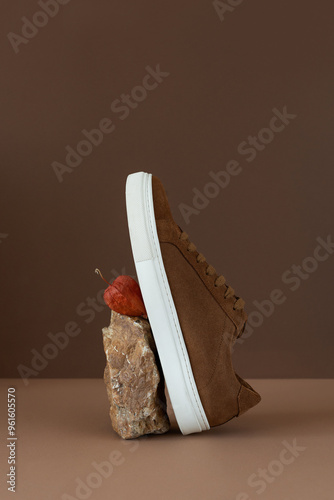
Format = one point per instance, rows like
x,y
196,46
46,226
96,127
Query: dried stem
x,y
99,272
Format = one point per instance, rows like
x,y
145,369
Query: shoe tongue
x,y
161,206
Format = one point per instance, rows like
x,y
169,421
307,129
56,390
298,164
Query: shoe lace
x,y
210,271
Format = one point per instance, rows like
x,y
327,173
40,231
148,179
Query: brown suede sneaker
x,y
195,316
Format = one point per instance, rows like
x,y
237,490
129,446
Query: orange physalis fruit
x,y
123,296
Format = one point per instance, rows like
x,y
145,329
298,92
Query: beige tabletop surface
x,y
66,449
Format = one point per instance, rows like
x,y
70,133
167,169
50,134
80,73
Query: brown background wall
x,y
225,77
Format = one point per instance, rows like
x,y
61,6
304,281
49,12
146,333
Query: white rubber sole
x,y
187,406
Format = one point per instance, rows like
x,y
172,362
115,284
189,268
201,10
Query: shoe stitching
x,y
200,277
176,244
180,343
